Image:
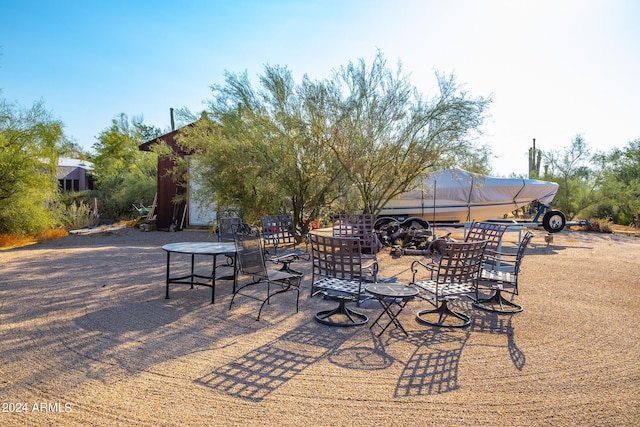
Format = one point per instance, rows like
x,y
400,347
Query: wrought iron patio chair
x,y
278,232
252,264
491,233
500,273
456,275
227,227
339,274
486,231
359,226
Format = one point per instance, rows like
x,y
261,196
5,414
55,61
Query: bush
x,y
28,214
79,215
600,225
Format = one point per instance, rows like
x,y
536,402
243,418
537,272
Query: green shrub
x,y
79,215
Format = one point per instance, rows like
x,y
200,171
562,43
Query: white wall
x,y
201,213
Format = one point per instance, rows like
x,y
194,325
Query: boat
x,y
458,196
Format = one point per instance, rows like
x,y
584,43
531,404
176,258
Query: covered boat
x,y
456,196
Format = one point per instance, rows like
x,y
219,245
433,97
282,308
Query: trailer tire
x,y
554,221
415,223
382,221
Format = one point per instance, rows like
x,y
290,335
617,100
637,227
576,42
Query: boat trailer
x,y
415,235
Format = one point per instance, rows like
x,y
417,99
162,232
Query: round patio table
x,y
393,297
212,249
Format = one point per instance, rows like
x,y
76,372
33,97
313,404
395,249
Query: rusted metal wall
x,y
167,212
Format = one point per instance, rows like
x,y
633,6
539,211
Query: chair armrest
x,y
372,267
498,260
431,267
285,258
492,253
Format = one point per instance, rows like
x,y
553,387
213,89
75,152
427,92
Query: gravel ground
x,y
89,339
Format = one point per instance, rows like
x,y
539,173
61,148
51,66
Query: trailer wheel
x,y
554,221
415,223
381,222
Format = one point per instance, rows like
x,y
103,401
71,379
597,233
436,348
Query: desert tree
x,y
264,150
387,136
618,185
569,167
124,174
30,141
302,147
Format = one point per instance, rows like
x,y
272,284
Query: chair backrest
x,y
506,268
461,263
228,227
486,231
278,230
359,226
522,249
338,257
250,254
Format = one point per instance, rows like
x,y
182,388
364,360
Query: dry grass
x,y
599,225
8,241
608,227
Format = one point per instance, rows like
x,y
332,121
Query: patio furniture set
x,y
345,269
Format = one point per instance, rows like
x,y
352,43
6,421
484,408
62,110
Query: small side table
x,y
388,295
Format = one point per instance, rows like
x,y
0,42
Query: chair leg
x,y
237,291
489,304
443,312
286,267
288,288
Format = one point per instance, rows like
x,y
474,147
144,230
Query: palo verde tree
x,y
124,174
300,147
569,168
618,185
264,150
29,146
386,135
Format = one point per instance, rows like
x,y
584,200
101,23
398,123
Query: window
x,y
69,185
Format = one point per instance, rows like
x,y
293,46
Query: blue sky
x,y
554,68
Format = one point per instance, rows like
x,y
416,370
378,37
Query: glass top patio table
x,y
388,295
199,248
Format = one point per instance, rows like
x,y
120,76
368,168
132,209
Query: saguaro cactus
x,y
535,158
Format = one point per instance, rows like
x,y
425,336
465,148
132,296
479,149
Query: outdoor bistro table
x,y
199,248
388,295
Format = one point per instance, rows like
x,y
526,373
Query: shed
x,y
171,215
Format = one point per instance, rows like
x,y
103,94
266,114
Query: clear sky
x,y
554,68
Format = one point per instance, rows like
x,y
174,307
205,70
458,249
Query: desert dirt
x,y
88,338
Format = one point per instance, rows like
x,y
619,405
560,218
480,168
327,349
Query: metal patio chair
x,y
227,227
456,275
487,231
359,226
252,264
278,232
500,273
339,274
